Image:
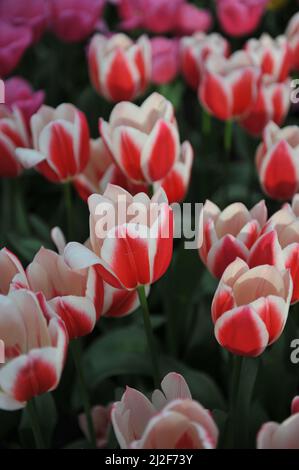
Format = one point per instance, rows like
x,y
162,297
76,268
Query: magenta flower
x,y
14,40
20,94
240,17
165,59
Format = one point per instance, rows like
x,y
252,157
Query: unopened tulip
x,y
76,296
176,183
250,307
279,244
127,254
277,160
13,134
144,141
195,50
9,267
191,19
74,20
273,56
119,68
14,40
240,17
229,234
272,104
32,14
101,422
35,347
172,420
292,34
229,86
165,60
60,143
19,94
281,436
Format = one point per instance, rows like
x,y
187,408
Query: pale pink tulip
x,y
9,267
101,417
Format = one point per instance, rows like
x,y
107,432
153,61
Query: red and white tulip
x,y
194,52
273,56
292,34
13,134
126,253
10,265
172,420
229,234
60,143
119,68
277,161
35,348
229,86
250,307
144,141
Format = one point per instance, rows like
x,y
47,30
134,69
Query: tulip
x,y
250,307
143,141
60,143
75,296
229,234
101,420
229,87
119,68
272,104
281,436
35,348
195,50
32,14
279,244
19,94
171,421
292,34
273,56
9,267
74,20
176,183
277,161
14,40
240,17
128,255
190,19
13,134
165,60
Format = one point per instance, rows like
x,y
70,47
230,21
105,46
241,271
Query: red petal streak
x,y
119,81
214,97
163,151
280,178
35,378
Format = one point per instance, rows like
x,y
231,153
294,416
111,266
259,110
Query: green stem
x,y
150,191
228,137
245,371
149,335
76,353
206,122
36,429
69,209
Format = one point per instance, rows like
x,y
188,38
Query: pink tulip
x,y
74,20
229,87
35,347
165,59
19,94
176,183
229,234
119,68
126,254
101,422
292,34
272,104
195,50
143,141
273,56
60,143
171,421
250,307
14,40
190,19
13,134
277,160
240,17
281,436
9,267
33,14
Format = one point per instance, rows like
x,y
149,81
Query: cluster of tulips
x,y
140,157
